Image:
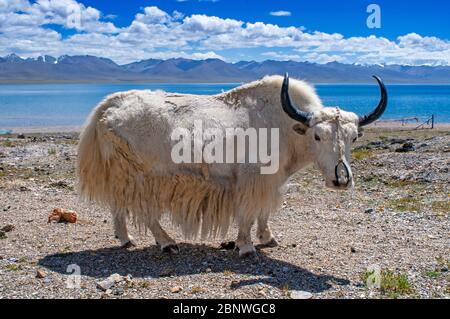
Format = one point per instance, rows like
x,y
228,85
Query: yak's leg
x,y
166,243
120,227
264,233
244,239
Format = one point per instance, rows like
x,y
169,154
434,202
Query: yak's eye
x,y
317,138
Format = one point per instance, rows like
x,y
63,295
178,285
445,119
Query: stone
x,y
407,147
299,294
109,282
176,289
40,274
7,228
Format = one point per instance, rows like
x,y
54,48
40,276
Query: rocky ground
x,y
395,221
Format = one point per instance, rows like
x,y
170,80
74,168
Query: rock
x,y
234,284
3,235
40,274
369,211
24,189
61,215
228,245
208,270
21,136
109,282
299,294
397,141
407,147
118,292
176,289
60,184
7,228
352,249
167,272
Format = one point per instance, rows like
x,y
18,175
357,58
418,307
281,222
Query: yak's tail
x,y
94,152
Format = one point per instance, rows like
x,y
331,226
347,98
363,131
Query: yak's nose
x,y
342,173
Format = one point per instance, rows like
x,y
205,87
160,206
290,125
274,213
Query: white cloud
x,y
206,55
153,15
210,25
281,13
156,33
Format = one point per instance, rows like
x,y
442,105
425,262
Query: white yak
x,y
125,158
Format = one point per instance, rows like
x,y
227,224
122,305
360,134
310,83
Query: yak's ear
x,y
300,129
360,132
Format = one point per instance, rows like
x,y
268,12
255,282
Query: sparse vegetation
x,y
145,285
13,267
285,290
8,143
196,290
70,142
407,204
391,284
359,154
395,284
442,206
51,151
433,274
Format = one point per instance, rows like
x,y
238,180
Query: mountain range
x,y
14,69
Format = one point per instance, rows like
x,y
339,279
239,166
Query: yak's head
x,y
330,133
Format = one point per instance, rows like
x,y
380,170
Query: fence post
x,y
432,121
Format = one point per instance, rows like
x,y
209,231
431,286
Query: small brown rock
x,y
40,274
176,289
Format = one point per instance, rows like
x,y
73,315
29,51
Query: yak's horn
x,y
379,110
291,109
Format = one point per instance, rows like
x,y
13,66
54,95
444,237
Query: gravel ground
x,y
396,220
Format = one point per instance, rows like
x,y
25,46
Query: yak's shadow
x,y
150,262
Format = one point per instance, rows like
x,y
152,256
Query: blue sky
x,y
399,17
321,31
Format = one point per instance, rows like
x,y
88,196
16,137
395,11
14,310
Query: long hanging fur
x,y
111,173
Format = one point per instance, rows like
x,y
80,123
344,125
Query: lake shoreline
x,y
75,129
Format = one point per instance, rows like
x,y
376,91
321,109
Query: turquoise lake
x,y
42,105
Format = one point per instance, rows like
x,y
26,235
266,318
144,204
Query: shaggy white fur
x,y
124,157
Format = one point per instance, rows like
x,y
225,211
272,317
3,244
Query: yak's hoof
x,y
171,249
271,243
247,251
128,244
228,245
